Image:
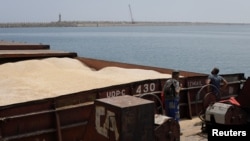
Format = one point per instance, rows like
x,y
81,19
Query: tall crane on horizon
x,y
131,15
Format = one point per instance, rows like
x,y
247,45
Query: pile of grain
x,y
38,79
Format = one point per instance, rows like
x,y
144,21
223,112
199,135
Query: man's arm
x,y
225,83
207,83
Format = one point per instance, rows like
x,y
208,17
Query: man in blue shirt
x,y
215,80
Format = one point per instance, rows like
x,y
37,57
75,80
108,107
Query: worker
x,y
170,92
216,81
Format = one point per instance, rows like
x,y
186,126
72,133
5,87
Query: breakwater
x,y
101,23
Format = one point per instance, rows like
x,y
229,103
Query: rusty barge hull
x,y
68,117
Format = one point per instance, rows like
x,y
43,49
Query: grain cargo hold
x,y
71,96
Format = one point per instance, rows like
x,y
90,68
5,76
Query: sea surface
x,y
196,48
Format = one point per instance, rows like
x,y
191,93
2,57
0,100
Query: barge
x,y
116,111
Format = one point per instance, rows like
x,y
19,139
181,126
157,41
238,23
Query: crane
x,y
131,15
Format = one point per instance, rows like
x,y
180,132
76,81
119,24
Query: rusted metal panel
x,y
74,120
150,90
20,55
23,47
17,120
113,91
47,122
146,86
26,107
193,85
99,64
122,118
21,126
75,98
244,96
6,45
75,113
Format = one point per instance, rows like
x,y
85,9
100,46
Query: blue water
x,y
196,48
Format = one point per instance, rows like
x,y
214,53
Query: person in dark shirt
x,y
171,97
216,81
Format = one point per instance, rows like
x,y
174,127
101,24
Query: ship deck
x,y
191,130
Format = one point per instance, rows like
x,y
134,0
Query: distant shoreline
x,y
108,23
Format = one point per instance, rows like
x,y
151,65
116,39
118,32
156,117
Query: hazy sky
x,y
224,11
